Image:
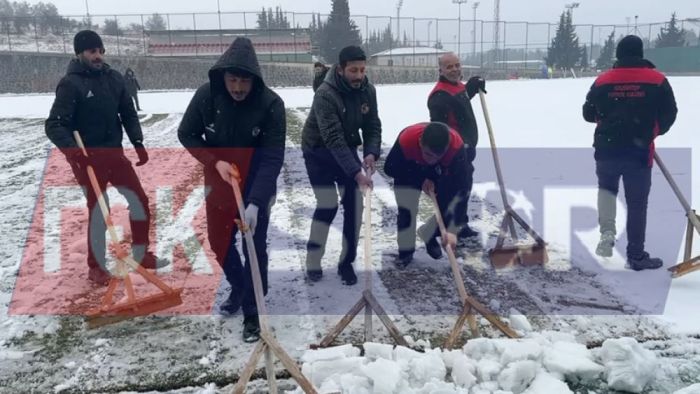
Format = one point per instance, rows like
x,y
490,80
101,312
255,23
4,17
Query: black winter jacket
x,y
214,120
631,104
338,112
132,84
96,103
449,103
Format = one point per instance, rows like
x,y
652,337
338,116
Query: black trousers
x,y
451,196
636,179
112,167
328,182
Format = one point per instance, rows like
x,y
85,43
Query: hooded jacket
x,y
96,103
338,112
132,84
255,127
631,104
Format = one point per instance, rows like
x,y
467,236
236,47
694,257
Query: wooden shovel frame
x,y
367,301
110,312
689,264
268,344
501,256
469,304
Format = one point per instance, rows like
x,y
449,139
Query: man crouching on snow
x,y
429,157
235,126
631,104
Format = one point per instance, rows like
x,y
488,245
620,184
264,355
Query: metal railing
x,y
520,43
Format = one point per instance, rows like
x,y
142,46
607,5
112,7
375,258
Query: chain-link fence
x,y
481,44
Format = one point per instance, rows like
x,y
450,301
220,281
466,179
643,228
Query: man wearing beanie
x,y
631,104
92,99
344,103
235,126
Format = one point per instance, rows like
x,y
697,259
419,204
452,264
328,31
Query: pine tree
x,y
339,31
605,60
262,19
156,22
671,36
565,51
583,62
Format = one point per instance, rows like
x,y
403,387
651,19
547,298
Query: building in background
x,y
271,45
408,57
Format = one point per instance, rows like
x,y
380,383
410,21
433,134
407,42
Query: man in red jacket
x,y
450,102
631,104
430,157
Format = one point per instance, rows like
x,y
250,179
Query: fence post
x,y
481,56
143,36
527,32
170,35
36,35
245,26
590,50
63,36
294,33
505,45
196,45
413,38
9,37
116,23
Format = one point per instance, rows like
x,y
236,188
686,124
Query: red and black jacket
x,y
449,103
405,160
631,104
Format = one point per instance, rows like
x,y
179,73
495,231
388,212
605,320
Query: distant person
x,y
631,104
544,71
433,158
235,126
450,103
132,86
344,103
550,72
320,71
92,99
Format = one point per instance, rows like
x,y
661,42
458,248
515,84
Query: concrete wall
x,y
40,72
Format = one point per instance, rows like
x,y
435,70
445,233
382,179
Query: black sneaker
x,y
251,329
467,232
347,274
98,276
644,262
314,275
433,248
403,261
231,305
151,261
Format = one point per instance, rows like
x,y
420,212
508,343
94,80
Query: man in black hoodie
x,y
345,103
631,104
235,126
93,100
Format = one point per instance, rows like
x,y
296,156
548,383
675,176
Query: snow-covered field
x,y
48,353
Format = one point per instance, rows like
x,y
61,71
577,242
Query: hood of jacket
x,y
633,62
240,54
339,83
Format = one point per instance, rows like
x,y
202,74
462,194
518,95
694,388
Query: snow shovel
x,y
689,264
109,312
504,256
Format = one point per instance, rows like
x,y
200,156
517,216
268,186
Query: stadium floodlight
x,y
459,26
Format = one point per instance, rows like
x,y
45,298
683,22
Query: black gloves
x,y
141,152
474,84
77,157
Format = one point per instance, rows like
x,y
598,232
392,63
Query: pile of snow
x,y
541,363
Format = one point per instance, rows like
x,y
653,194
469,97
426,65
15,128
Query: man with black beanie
x,y
92,99
631,104
344,103
235,126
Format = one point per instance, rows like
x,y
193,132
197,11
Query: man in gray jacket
x,y
344,103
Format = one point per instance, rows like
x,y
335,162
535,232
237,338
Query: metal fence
x,y
480,43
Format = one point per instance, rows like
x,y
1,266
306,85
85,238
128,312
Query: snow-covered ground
x,y
60,354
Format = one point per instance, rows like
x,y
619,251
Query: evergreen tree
x,y
156,22
565,51
111,27
605,60
671,36
339,31
583,63
262,19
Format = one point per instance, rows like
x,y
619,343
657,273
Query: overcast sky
x,y
589,11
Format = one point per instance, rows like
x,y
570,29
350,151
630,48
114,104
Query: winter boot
x,y
251,329
644,262
98,276
605,245
347,274
403,260
431,244
314,275
232,304
467,232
